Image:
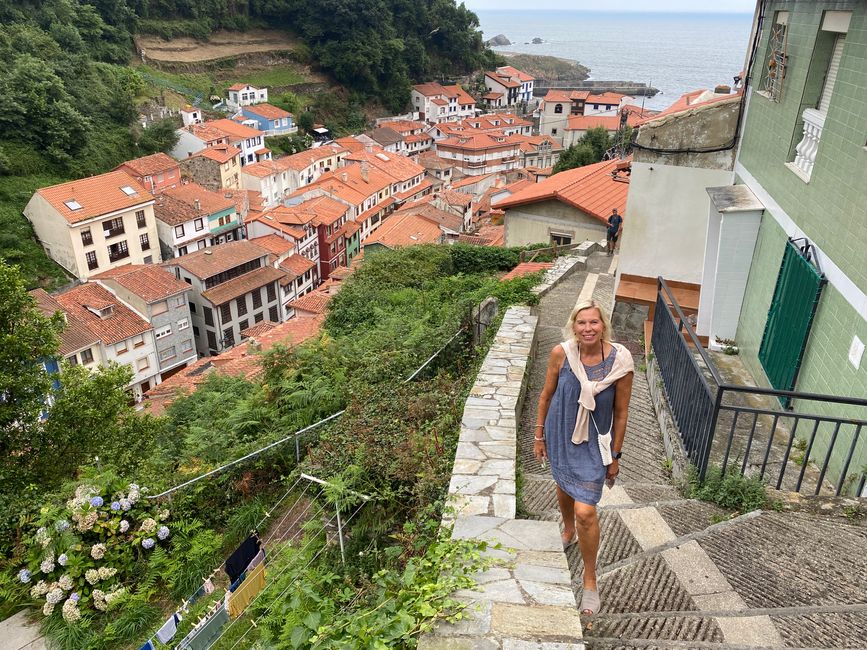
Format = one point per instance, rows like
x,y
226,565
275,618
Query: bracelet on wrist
x,y
539,439
540,426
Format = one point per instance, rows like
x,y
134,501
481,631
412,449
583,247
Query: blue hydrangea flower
x,y
63,559
147,543
24,575
163,532
74,597
115,505
125,504
61,525
96,502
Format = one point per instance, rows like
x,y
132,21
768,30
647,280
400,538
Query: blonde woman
x,y
580,427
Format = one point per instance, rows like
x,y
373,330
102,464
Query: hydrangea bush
x,y
82,554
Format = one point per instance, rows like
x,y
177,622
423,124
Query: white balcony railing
x,y
805,152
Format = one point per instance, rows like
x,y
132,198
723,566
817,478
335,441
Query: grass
x,y
728,490
272,77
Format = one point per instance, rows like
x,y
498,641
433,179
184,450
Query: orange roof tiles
x,y
464,97
350,143
403,126
297,265
268,111
514,72
692,100
608,122
432,89
526,268
492,95
349,183
96,195
258,329
417,137
218,153
75,335
456,198
187,202
263,168
502,80
148,282
149,165
207,132
398,167
216,259
273,243
448,220
555,95
240,86
242,284
496,235
122,323
315,302
591,189
607,98
475,142
405,230
233,129
303,159
318,210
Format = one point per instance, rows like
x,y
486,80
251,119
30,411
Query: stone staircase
x,y
679,573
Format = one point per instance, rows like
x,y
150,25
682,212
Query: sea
x,y
674,52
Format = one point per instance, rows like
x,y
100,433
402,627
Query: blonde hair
x,y
569,330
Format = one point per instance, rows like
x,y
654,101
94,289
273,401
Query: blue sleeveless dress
x,y
578,469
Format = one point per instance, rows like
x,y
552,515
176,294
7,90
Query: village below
x,y
278,302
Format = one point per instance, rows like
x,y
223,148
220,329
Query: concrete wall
x,y
534,223
666,221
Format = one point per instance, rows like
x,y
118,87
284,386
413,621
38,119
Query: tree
x,y
161,135
27,337
599,139
577,155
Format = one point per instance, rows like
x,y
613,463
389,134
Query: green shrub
x,y
729,490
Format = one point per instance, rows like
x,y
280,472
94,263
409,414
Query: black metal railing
x,y
809,447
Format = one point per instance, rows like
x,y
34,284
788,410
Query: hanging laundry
x,y
256,561
199,593
249,589
239,560
167,632
204,636
208,586
239,581
148,646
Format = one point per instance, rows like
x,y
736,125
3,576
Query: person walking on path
x,y
615,225
580,426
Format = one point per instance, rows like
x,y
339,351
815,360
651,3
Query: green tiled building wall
x,y
831,209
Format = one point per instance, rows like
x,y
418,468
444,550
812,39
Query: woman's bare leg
x,y
588,539
567,510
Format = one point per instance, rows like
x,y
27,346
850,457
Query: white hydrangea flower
x,y
99,600
124,525
97,551
92,576
164,515
71,612
65,582
47,565
106,572
149,525
54,596
125,504
48,609
39,589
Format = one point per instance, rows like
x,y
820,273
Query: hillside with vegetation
x,y
72,97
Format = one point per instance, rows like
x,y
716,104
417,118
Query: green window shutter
x,y
796,297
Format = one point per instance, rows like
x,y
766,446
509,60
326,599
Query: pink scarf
x,y
623,365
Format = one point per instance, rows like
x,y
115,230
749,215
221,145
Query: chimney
x,y
365,171
198,205
344,177
368,148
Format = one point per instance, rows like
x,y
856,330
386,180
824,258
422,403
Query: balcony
x,y
805,152
117,252
477,164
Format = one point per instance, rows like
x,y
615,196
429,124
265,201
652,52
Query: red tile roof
x,y
268,111
432,89
241,86
405,230
75,335
149,165
273,243
495,234
122,323
403,126
297,265
258,329
97,195
216,259
315,302
220,153
448,220
555,95
514,72
526,268
502,80
398,167
243,284
464,98
691,100
453,197
318,210
592,189
233,129
147,281
303,159
608,98
189,201
608,122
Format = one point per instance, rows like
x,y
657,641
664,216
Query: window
x,y
92,264
140,218
209,315
196,332
272,293
179,231
244,324
183,324
257,298
560,239
138,341
558,108
160,307
168,353
553,131
112,227
212,340
180,301
120,348
148,259
86,356
226,312
199,224
228,337
86,237
777,59
144,241
72,359
241,304
187,345
163,332
118,251
273,314
193,307
142,364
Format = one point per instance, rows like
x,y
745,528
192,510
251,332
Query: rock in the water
x,y
499,39
537,41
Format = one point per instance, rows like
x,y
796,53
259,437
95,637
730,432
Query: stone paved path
x,y
677,573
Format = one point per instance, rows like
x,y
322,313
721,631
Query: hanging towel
x,y
238,582
208,587
248,590
148,646
167,632
205,636
256,561
239,560
623,365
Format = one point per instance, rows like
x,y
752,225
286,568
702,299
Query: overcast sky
x,y
719,6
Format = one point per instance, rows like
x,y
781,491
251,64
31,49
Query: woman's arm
x,y
551,377
622,395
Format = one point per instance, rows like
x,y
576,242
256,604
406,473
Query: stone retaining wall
x,y
526,602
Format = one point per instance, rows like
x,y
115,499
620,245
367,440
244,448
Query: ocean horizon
x,y
675,52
